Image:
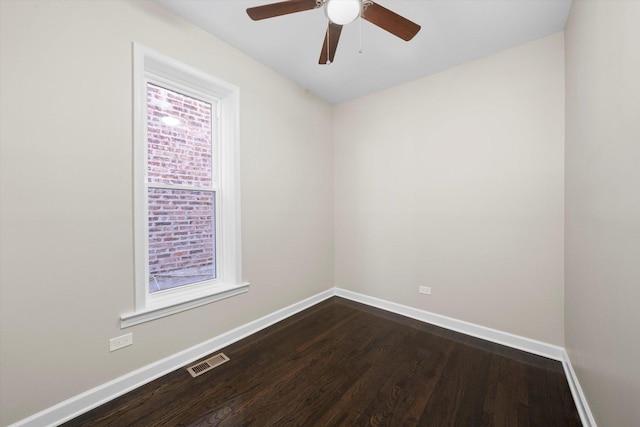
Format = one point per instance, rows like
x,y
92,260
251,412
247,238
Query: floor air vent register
x,y
207,365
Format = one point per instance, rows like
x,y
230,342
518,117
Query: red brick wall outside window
x,y
181,221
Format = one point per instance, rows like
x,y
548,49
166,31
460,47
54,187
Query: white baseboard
x,y
493,335
578,396
97,396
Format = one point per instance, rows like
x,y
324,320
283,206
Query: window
x,y
186,188
181,188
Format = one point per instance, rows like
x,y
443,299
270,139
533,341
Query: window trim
x,y
151,65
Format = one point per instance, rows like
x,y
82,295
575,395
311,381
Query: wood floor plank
x,y
341,363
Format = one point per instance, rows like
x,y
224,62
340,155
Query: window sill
x,y
152,313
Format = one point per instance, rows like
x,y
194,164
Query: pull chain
x,y
360,31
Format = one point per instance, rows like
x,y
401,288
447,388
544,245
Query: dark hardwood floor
x,y
341,363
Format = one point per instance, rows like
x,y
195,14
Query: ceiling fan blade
x,y
281,8
390,21
330,43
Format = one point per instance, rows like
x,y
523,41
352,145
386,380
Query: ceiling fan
x,y
340,12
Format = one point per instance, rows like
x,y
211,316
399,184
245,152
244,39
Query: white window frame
x,y
152,67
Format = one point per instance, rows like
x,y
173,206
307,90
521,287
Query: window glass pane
x,y
179,138
181,237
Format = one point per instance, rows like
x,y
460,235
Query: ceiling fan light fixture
x,y
342,12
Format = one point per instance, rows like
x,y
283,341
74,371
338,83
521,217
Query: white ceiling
x,y
453,32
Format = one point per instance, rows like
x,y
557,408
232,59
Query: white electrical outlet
x,y
119,342
424,290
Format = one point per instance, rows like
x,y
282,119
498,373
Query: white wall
x,y
603,206
455,181
66,189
